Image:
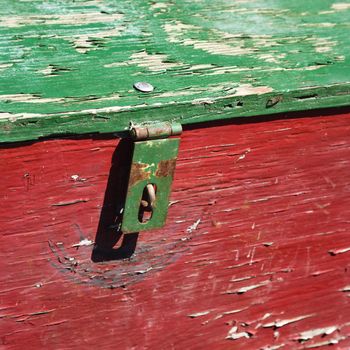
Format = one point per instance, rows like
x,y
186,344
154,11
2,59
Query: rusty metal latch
x,y
151,176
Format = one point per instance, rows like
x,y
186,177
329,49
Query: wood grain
x,y
255,253
69,67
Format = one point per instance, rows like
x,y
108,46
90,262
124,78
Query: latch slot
x,y
147,203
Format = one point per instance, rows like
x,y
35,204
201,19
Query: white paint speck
x,y
193,227
198,314
84,242
141,272
233,334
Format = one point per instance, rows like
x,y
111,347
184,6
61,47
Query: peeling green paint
x,y
69,67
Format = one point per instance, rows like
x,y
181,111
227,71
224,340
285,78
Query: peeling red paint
x,y
265,267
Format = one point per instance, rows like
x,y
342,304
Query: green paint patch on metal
x,y
153,163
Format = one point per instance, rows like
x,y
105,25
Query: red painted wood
x,y
269,253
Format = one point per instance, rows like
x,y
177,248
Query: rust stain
x,y
138,173
166,168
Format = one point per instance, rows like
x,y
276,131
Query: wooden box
x,y
255,250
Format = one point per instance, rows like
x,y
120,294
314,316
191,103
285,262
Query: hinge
x,y
151,176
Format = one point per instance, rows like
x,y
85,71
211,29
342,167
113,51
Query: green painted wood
x,y
69,67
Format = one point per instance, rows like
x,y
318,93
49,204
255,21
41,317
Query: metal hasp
x,y
151,176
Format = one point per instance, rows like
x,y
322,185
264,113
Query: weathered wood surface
x,y
255,254
69,66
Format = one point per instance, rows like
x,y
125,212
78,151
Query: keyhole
x,y
147,203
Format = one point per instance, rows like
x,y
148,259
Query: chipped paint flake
x,y
248,288
327,342
233,334
141,272
319,25
62,19
339,251
345,289
341,6
248,89
86,42
199,314
282,323
4,66
231,312
29,98
217,48
49,70
322,44
153,62
307,335
159,5
231,91
84,243
176,29
272,58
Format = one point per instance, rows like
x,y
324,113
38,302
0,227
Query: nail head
x,y
143,86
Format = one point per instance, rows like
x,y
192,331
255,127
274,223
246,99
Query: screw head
x,y
143,86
